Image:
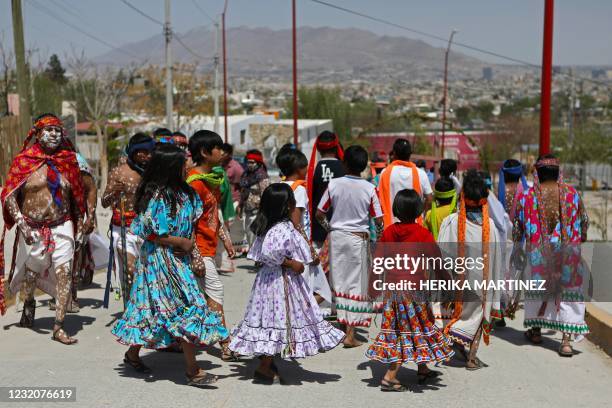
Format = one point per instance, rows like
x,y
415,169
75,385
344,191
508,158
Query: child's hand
x,y
183,246
297,267
294,265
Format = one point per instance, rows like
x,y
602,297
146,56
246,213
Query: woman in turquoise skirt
x,y
166,305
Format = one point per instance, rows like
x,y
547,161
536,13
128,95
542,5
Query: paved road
x,y
519,375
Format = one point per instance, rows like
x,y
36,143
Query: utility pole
x,y
216,59
445,97
572,103
295,87
169,87
23,87
225,130
547,54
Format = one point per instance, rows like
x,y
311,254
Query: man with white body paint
x,y
44,196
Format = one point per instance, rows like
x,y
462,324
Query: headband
x,y
255,157
40,124
553,162
179,139
444,194
501,184
146,145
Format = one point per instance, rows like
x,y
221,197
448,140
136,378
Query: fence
x,y
10,143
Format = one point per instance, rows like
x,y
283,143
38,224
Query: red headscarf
x,y
255,156
31,159
318,146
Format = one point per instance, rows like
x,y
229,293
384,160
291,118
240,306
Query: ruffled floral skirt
x,y
283,318
407,334
165,305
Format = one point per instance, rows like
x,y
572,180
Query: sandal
x,y
60,336
201,378
391,386
478,364
227,354
27,314
534,336
137,365
423,377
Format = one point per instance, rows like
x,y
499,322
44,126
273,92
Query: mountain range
x,y
324,54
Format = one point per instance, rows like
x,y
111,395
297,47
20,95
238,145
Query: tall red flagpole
x,y
295,87
547,54
225,129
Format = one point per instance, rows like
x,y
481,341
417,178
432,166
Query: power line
x,y
195,3
65,8
439,38
189,50
423,33
175,36
142,13
76,28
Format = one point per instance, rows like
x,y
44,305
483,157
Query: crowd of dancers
x,y
310,236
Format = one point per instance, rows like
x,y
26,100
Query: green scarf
x,y
217,178
441,195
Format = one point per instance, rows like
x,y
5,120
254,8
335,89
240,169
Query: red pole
x,y
295,87
547,53
444,103
224,75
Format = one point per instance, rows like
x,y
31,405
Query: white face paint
x,y
252,165
50,138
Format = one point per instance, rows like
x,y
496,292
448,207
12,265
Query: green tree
x,y
47,95
484,110
463,114
55,72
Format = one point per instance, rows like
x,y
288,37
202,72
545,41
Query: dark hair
x,y
228,148
486,176
289,160
163,175
547,173
161,132
326,136
511,178
474,186
447,167
442,185
355,159
407,205
274,206
402,150
421,164
138,138
205,140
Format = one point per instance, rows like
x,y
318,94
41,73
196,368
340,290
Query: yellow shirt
x,y
441,213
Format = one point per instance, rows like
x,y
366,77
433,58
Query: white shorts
x,y
133,243
32,257
211,283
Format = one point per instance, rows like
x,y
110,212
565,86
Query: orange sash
x,y
486,236
384,189
298,183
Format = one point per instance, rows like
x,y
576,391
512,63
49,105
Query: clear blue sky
x,y
583,33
